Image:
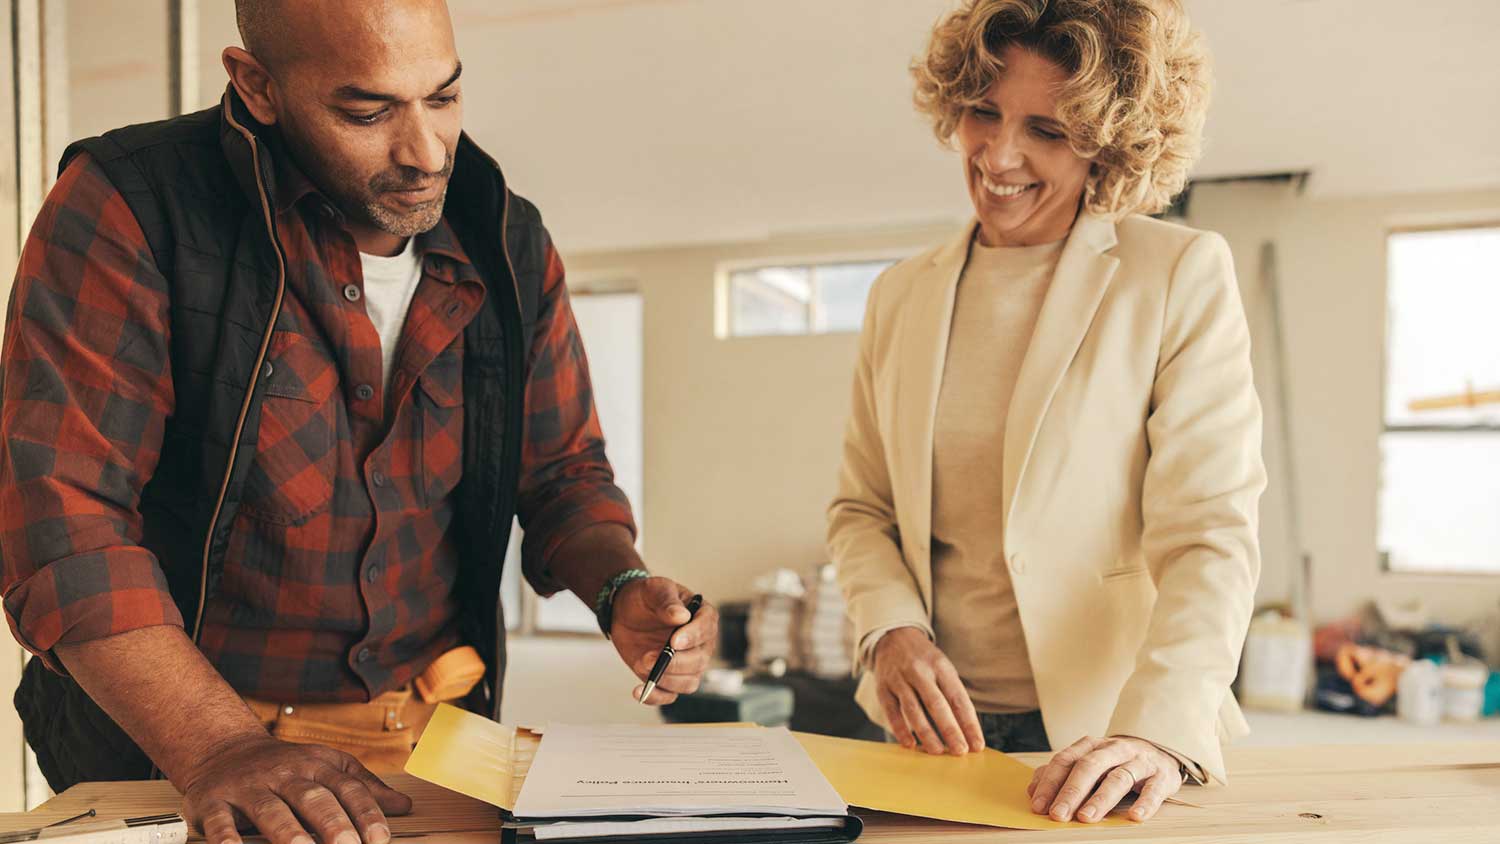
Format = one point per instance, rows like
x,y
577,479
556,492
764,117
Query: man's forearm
x,y
161,690
592,556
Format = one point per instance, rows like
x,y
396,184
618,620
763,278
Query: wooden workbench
x,y
1395,794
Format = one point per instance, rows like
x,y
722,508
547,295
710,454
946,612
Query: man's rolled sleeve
x,y
85,390
566,480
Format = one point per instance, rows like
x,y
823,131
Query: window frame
x,y
725,270
1399,429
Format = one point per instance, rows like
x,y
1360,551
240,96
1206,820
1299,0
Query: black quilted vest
x,y
201,187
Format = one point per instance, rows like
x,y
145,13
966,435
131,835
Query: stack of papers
x,y
772,629
825,637
614,783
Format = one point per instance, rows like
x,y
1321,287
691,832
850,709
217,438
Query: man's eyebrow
x,y
458,70
354,92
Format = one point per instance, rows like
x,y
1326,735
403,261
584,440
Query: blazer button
x,y
1017,564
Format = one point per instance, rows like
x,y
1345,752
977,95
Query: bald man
x,y
276,378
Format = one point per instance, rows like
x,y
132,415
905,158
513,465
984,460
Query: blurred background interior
x,y
725,179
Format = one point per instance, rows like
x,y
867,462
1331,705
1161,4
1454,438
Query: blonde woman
x,y
1046,517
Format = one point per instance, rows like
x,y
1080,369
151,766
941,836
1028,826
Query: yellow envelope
x,y
474,756
982,788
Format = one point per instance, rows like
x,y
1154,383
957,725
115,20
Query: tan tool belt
x,y
382,732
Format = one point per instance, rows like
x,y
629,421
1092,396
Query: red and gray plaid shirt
x,y
338,581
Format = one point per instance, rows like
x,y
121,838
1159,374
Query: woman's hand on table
x,y
1091,777
923,698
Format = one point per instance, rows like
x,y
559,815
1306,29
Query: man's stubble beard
x,y
419,221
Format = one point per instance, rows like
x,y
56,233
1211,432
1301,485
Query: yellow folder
x,y
982,788
487,761
474,756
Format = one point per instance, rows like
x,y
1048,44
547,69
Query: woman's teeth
x,y
1006,190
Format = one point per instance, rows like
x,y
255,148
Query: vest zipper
x,y
260,361
516,390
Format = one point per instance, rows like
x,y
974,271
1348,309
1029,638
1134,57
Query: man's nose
x,y
420,147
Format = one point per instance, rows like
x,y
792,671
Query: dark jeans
x,y
1022,732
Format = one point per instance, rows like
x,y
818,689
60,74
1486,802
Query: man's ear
x,y
253,82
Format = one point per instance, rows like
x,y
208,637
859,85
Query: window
x,y
796,298
1440,453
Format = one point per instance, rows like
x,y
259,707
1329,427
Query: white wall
x,y
117,57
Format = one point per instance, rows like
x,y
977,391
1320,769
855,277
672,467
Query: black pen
x,y
667,651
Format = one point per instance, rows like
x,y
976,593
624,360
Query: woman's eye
x,y
1048,134
985,113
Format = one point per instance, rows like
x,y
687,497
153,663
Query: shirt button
x,y
372,574
364,655
454,308
265,371
1018,564
378,477
364,392
351,292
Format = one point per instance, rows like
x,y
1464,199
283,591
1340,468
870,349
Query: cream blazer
x,y
1131,480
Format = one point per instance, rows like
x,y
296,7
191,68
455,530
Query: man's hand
x,y
923,698
213,748
288,791
646,611
1107,769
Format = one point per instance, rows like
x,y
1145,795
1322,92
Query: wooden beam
x,y
12,746
182,55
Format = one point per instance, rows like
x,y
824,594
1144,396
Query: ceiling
x,y
645,122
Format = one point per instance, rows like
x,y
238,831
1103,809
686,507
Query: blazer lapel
x,y
922,354
1083,274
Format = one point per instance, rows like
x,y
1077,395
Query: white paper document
x,y
632,770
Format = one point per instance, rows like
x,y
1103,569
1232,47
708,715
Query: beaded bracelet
x,y
604,604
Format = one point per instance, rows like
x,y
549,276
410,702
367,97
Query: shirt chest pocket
x,y
296,456
440,414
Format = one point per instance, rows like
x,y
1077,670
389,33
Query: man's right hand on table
x,y
290,793
232,773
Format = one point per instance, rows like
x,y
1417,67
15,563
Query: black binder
x,y
514,831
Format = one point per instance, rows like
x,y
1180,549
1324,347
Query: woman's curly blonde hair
x,y
1134,103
